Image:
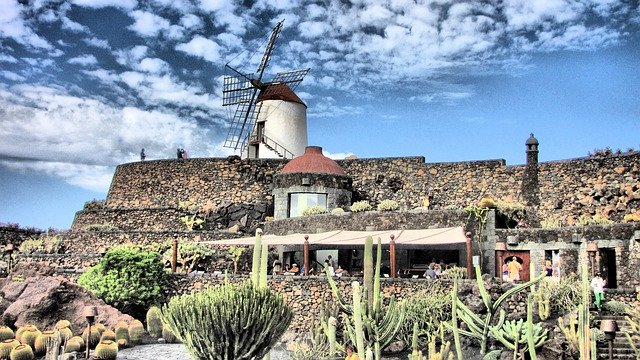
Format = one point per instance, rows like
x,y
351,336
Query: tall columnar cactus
x,y
379,325
154,322
583,315
633,332
234,321
478,328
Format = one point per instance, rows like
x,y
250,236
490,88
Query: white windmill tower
x,y
270,120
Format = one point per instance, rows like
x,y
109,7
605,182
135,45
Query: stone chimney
x,y
530,182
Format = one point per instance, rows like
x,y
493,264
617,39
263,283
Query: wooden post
x,y
174,256
469,257
392,255
305,256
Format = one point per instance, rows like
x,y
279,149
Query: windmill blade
x,y
236,90
242,123
267,52
292,78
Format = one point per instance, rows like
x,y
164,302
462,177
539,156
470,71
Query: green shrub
x,y
551,223
191,255
564,293
45,244
388,205
362,205
429,308
127,279
314,210
617,307
597,219
213,323
337,211
32,246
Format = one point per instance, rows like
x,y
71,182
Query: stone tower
x,y
281,126
530,182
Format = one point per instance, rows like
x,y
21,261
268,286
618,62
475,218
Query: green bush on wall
x,y
127,278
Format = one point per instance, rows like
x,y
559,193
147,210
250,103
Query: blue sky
x,y
84,84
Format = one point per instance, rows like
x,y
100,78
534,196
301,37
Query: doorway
x,y
608,267
523,258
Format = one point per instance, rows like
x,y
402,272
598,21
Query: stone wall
x,y
10,234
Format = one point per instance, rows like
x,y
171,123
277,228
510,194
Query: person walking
x,y
597,284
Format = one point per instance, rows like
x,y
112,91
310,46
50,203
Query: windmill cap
x,y
313,161
279,92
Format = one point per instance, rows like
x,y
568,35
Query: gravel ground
x,y
173,352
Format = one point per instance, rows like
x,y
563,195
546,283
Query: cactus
x,y
6,346
221,314
478,328
381,325
65,333
100,327
443,354
108,335
136,332
154,322
520,336
107,350
91,336
584,332
633,332
40,343
570,333
29,336
22,352
63,324
6,333
53,345
79,340
122,333
22,329
168,335
72,346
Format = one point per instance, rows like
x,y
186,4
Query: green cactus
x,y
633,332
479,328
6,333
29,336
443,354
72,346
154,322
65,333
22,329
222,315
100,327
40,344
168,335
108,335
22,352
63,324
6,346
136,332
365,317
91,336
122,334
584,332
79,340
519,336
107,350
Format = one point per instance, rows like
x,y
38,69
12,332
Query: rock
x,y
43,300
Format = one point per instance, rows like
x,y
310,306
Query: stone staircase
x,y
622,350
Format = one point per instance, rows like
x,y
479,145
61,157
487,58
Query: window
x,y
300,201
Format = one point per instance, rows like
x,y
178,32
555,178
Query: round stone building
x,y
311,179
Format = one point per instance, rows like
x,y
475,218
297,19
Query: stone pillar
x,y
530,182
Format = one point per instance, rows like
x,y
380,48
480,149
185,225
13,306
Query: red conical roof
x,y
279,92
312,161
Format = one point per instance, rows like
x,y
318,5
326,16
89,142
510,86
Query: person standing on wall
x,y
142,155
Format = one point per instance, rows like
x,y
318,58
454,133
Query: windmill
x,y
248,93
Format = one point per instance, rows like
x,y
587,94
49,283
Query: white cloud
x,y
8,58
12,76
99,43
191,22
71,25
202,47
98,4
83,60
153,65
148,24
12,25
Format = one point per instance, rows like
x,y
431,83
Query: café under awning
x,y
346,238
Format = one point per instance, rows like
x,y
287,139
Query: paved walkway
x,y
173,352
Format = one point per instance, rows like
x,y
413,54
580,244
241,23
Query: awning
x,y
421,237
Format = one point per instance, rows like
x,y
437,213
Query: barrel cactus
x,y
100,327
136,332
168,335
108,335
154,322
22,329
107,350
6,333
29,336
220,314
63,324
122,334
65,333
73,345
40,344
91,338
6,346
22,352
79,340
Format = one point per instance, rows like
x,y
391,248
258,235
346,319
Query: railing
x,y
271,144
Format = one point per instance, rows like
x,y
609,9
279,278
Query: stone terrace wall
x,y
603,185
135,219
14,235
380,220
164,183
